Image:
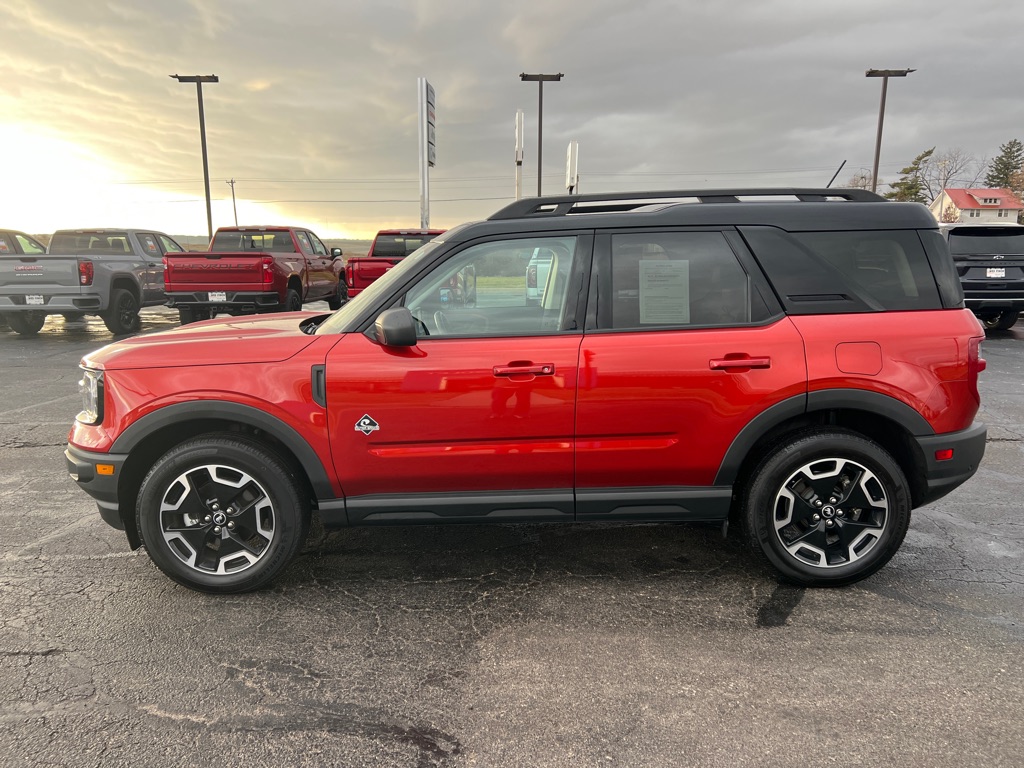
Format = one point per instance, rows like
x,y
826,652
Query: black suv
x,y
989,259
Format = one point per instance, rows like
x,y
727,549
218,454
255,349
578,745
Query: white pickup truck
x,y
106,272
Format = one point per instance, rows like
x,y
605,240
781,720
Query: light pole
x,y
540,80
885,74
199,80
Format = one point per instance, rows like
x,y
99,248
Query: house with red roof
x,y
976,206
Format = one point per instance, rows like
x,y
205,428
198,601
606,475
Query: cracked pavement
x,y
511,645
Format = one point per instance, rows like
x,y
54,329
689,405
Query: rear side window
x,y
847,271
678,279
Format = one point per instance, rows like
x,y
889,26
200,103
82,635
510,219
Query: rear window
x,y
280,242
1007,241
850,271
95,242
399,245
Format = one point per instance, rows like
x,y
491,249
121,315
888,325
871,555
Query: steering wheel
x,y
441,322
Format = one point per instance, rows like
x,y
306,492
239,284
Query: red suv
x,y
799,361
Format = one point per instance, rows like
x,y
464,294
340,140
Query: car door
x,y
316,266
152,275
682,350
476,420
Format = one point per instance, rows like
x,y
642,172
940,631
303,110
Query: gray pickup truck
x,y
105,272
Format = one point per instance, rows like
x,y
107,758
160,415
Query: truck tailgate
x,y
222,271
41,275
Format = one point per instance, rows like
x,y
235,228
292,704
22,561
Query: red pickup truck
x,y
250,270
389,247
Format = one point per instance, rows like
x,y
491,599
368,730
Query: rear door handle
x,y
541,369
745,361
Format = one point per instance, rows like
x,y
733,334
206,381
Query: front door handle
x,y
541,369
740,361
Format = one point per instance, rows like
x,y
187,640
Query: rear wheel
x,y
827,508
292,301
222,514
123,314
1004,321
26,323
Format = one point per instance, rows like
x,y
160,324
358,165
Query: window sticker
x,y
4,247
664,292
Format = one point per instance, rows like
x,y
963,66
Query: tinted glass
x,y
96,242
482,291
398,245
679,279
1004,240
280,242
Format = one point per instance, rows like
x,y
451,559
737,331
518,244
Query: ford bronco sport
x,y
800,361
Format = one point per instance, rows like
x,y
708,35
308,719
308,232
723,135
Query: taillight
x,y
86,272
167,269
975,364
350,275
268,270
531,276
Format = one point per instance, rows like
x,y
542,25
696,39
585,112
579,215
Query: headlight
x,y
91,388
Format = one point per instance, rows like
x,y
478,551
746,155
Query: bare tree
x,y
953,168
860,180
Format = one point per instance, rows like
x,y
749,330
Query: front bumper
x,y
98,475
968,448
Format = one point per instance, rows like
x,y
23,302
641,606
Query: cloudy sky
x,y
314,116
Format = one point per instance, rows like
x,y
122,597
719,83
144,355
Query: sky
x,y
315,114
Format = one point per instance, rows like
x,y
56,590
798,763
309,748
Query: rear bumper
x,y
235,302
53,305
968,448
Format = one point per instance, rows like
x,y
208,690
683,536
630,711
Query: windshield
x,y
341,319
1002,240
280,242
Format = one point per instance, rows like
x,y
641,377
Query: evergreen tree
x,y
910,187
1009,162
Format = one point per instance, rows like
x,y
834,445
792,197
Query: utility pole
x,y
233,207
199,80
540,80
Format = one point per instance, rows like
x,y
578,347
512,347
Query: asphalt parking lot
x,y
530,645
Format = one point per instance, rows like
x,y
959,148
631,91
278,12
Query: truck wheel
x,y
222,513
827,508
1004,321
340,296
123,314
292,301
26,323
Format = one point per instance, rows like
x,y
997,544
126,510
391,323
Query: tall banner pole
x,y
519,154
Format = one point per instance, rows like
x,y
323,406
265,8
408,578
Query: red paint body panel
x,y
924,359
446,421
652,411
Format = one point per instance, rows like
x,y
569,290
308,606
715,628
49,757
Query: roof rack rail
x,y
608,202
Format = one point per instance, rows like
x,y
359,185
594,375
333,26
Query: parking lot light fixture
x,y
199,80
885,74
540,80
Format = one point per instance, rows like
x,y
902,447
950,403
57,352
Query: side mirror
x,y
395,328
335,253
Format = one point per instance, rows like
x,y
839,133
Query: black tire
x,y
122,316
292,301
195,533
826,508
1004,321
340,296
188,315
26,323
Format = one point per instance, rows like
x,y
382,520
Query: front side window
x,y
486,290
679,279
169,245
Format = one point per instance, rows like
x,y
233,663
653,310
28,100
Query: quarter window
x,y
503,288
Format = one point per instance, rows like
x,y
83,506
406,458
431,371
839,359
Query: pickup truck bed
x,y
389,247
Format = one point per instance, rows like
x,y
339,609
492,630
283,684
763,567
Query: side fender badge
x,y
366,425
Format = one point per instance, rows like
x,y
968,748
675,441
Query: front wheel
x,y
827,508
26,323
222,513
340,296
122,316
